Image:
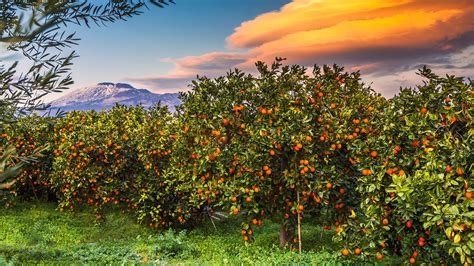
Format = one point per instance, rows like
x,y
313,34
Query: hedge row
x,y
387,175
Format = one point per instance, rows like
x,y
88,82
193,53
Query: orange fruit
x,y
328,185
373,154
366,172
345,252
469,195
423,110
385,221
412,260
357,251
379,256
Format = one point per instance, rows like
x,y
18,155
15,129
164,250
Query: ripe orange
x,y
300,208
421,243
412,260
385,221
357,251
373,154
328,185
235,211
345,252
415,253
379,256
459,171
248,200
469,194
423,110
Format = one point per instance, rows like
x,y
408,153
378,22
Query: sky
x,y
387,40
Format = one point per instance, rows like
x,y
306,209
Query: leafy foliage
x,y
388,176
417,199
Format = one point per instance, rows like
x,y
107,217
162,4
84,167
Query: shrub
x,y
416,199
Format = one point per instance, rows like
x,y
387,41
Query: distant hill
x,y
105,95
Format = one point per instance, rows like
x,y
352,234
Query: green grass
x,y
37,233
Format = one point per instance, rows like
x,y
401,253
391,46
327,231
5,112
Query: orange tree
x,y
95,161
117,157
30,136
275,145
154,197
416,195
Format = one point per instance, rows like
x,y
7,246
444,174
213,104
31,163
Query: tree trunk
x,y
286,235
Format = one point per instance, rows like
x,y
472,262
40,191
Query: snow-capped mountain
x,y
106,94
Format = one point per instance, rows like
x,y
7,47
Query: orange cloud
x,y
348,31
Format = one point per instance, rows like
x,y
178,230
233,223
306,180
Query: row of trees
x,y
392,176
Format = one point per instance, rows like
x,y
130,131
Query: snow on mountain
x,y
105,95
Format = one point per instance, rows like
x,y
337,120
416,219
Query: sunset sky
x,y
164,49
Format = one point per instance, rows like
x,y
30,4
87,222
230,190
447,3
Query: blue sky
x,y
136,47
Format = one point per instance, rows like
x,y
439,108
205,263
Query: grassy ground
x,y
37,233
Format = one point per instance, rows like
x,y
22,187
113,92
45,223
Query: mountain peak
x,y
116,85
105,95
105,84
